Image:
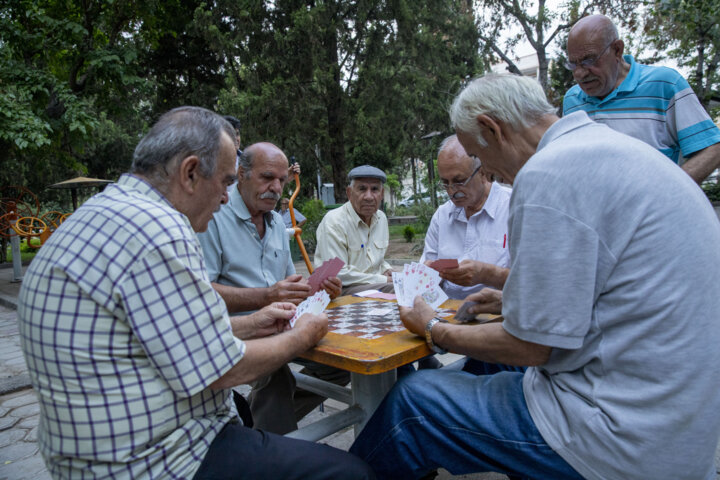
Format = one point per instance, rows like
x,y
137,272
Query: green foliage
x,y
393,183
712,190
689,30
424,213
409,233
314,211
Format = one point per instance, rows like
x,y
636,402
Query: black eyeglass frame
x,y
458,186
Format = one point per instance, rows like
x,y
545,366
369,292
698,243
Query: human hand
x,y
388,275
311,327
488,300
333,286
293,169
272,319
292,289
416,318
467,274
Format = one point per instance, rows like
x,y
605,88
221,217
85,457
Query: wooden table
x,y
371,363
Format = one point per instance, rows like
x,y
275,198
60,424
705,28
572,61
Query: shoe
x,y
429,363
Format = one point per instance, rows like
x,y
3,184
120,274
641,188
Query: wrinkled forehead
x,y
366,182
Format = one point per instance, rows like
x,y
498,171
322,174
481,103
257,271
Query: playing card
x,y
314,304
418,279
463,315
398,284
329,268
444,263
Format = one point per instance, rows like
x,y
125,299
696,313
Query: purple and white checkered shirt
x,y
123,333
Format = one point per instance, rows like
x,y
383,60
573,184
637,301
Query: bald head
x,y
595,56
264,150
466,183
595,28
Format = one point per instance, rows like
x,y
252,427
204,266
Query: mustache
x,y
458,195
274,196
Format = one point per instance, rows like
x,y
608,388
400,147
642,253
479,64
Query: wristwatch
x,y
428,335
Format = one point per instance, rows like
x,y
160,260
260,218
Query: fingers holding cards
x,y
314,304
418,279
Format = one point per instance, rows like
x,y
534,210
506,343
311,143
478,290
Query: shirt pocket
x,y
275,264
491,251
381,243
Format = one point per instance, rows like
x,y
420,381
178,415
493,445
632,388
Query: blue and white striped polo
x,y
655,105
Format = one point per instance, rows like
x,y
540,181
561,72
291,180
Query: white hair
x,y
518,101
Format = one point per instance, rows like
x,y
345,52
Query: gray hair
x,y
180,133
515,100
245,160
447,140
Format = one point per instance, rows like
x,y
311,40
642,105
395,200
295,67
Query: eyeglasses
x,y
459,185
587,62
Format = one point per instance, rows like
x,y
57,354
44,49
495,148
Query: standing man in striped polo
x,y
653,104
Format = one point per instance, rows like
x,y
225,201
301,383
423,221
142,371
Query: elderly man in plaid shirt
x,y
130,350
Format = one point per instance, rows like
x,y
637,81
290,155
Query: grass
x,y
26,254
396,231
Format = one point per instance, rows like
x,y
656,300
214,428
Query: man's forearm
x,y
493,275
263,356
702,163
490,343
243,299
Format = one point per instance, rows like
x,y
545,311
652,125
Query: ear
x,y
492,126
619,47
189,173
348,191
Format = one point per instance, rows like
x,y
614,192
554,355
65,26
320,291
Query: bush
x,y
712,190
314,211
409,233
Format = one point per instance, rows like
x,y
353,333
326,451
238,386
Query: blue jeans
x,y
461,422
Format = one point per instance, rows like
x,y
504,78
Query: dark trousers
x,y
239,452
277,404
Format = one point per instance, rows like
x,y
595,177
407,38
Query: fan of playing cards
x,y
418,279
315,304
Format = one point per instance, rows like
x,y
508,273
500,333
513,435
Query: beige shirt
x,y
344,235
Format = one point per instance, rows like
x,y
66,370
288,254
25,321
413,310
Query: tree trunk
x,y
335,118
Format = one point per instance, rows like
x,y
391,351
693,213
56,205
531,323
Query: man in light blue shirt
x,y
248,259
653,104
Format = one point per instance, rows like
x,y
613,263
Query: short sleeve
x,y
212,250
549,294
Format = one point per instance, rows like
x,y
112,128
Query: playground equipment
x,y
19,210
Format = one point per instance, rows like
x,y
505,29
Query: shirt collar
x,y
627,85
561,127
143,187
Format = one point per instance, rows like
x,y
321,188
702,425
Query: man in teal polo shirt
x,y
653,104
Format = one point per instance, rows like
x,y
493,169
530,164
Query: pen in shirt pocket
x,y
504,239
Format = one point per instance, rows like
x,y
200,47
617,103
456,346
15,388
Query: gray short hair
x,y
179,133
245,160
517,101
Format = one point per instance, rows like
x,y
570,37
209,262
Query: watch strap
x,y
428,335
